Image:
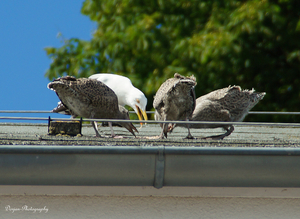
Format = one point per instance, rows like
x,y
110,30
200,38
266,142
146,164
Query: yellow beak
x,y
141,113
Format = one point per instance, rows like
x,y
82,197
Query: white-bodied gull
x,y
127,94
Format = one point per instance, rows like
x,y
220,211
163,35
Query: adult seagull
x,y
127,94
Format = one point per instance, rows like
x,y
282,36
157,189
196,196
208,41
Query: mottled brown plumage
x,y
175,100
89,98
230,104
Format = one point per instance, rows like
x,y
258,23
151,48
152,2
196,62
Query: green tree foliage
x,y
254,44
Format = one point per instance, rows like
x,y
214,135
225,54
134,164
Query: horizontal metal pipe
x,y
25,111
138,166
274,113
25,118
158,122
152,112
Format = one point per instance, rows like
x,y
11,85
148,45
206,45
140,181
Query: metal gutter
x,y
149,166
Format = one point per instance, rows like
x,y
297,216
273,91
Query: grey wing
x,y
163,90
64,88
95,92
216,95
207,110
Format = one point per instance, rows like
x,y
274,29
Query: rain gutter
x,y
156,166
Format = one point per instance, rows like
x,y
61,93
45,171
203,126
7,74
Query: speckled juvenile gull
x,y
89,98
175,100
230,104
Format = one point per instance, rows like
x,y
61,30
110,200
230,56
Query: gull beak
x,y
141,113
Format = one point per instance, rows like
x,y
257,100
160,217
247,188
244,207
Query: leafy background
x,y
254,44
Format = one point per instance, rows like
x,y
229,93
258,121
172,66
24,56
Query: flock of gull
x,y
103,96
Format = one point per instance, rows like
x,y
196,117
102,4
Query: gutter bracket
x,y
159,168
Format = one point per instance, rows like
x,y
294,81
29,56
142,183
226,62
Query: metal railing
x,y
152,112
152,121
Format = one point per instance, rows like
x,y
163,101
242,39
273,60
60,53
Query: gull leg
x,y
94,124
189,136
113,135
163,134
111,129
164,131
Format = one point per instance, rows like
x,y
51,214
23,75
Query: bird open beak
x,y
141,113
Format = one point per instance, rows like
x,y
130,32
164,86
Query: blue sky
x,y
27,27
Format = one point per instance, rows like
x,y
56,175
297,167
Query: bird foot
x,y
101,136
154,137
216,137
117,136
221,137
189,137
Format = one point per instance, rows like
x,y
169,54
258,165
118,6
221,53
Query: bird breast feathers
x,y
173,86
